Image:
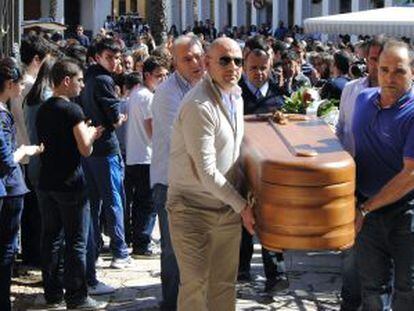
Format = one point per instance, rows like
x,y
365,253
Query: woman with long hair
x,y
12,185
39,93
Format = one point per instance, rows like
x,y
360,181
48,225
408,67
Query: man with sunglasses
x,y
204,203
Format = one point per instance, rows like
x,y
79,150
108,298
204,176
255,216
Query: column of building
x,y
60,10
187,14
203,10
173,14
388,3
275,15
238,16
307,9
94,13
254,14
297,14
329,7
283,12
220,14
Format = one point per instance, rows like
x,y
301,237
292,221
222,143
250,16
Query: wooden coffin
x,y
303,183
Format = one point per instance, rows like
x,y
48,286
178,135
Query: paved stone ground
x,y
314,277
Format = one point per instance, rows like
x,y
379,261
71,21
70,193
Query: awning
x,y
392,21
44,25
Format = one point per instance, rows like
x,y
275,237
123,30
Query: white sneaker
x,y
100,289
99,263
122,263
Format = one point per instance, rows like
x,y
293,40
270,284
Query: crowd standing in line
x,y
74,111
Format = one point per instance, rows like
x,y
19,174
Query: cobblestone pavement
x,y
314,285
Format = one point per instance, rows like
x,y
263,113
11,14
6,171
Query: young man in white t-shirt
x,y
138,154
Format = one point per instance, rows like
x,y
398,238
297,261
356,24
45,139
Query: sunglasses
x,y
226,60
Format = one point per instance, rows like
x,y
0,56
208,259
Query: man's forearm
x,y
393,191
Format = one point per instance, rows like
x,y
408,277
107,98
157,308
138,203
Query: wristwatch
x,y
363,211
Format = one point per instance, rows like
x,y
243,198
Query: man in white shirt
x,y
138,154
188,61
351,92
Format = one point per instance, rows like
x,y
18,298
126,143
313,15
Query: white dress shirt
x,y
346,111
165,106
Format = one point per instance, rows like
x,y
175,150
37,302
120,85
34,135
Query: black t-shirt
x,y
60,167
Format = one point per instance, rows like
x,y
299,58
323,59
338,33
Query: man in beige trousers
x,y
204,205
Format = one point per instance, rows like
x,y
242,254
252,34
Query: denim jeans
x,y
385,247
169,267
65,222
105,176
351,286
143,213
10,214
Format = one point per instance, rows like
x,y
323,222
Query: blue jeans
x,y
105,176
169,267
143,211
65,222
385,247
10,214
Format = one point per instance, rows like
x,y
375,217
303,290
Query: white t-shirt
x,y
138,144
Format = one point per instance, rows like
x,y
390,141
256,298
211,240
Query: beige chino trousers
x,y
206,243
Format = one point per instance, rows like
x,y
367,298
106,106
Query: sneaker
x,y
144,254
56,305
276,285
99,263
100,289
88,304
122,263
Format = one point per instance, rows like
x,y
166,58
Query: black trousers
x,y
273,262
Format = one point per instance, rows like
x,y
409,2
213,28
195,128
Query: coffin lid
x,y
270,150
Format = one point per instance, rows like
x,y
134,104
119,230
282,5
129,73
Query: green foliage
x,y
294,103
328,106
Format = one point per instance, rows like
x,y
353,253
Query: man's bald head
x,y
224,62
222,43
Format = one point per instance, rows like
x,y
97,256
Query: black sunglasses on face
x,y
225,60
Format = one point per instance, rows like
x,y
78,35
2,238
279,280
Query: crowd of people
x,y
99,136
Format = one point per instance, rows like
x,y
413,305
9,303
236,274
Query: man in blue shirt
x,y
384,153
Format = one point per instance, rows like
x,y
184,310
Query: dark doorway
x,y
31,9
345,6
72,13
72,16
291,13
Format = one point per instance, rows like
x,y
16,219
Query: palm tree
x,y
53,9
156,19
